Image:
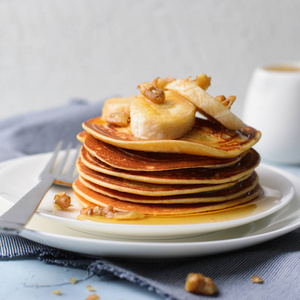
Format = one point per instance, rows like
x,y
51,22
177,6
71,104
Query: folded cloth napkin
x,y
277,262
37,132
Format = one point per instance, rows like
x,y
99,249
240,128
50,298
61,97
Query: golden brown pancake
x,y
161,177
144,188
149,161
100,173
205,139
236,191
141,188
88,197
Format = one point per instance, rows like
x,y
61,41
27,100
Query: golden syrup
x,y
261,204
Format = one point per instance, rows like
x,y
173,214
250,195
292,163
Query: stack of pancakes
x,y
209,169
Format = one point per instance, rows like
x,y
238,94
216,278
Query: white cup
x,y
272,106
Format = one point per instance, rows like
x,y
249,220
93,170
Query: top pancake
x,y
149,161
205,139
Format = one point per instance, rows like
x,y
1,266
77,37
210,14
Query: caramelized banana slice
x,y
205,103
171,119
115,107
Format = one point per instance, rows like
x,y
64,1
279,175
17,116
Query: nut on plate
x,y
199,284
62,200
109,213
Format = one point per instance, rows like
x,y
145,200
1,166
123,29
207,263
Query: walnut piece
x,y
199,284
109,213
57,292
93,297
62,200
73,280
95,211
203,81
152,93
90,288
227,102
118,118
256,279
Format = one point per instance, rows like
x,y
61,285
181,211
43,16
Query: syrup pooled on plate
x,y
263,203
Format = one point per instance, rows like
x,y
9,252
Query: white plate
x,y
22,174
52,233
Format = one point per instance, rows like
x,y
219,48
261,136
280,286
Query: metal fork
x,y
61,173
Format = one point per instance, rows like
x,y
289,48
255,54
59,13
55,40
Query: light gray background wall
x,y
55,50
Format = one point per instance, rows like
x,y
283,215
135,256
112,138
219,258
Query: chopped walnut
x,y
107,209
226,101
93,297
90,288
199,284
62,200
152,93
91,211
109,213
256,279
57,292
73,280
118,118
203,81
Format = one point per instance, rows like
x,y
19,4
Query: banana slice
x,y
117,105
205,103
171,119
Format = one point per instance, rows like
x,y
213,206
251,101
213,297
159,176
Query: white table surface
x,y
32,279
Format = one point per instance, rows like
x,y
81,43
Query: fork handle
x,y
19,214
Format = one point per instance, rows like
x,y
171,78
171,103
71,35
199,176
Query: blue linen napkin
x,y
277,261
39,132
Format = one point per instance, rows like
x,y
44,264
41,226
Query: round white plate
x,y
55,234
22,174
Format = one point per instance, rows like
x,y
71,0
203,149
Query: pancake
x,y
205,139
141,188
101,174
215,196
144,188
88,197
185,176
149,161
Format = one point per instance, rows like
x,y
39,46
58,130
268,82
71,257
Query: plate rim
x,y
175,230
232,243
